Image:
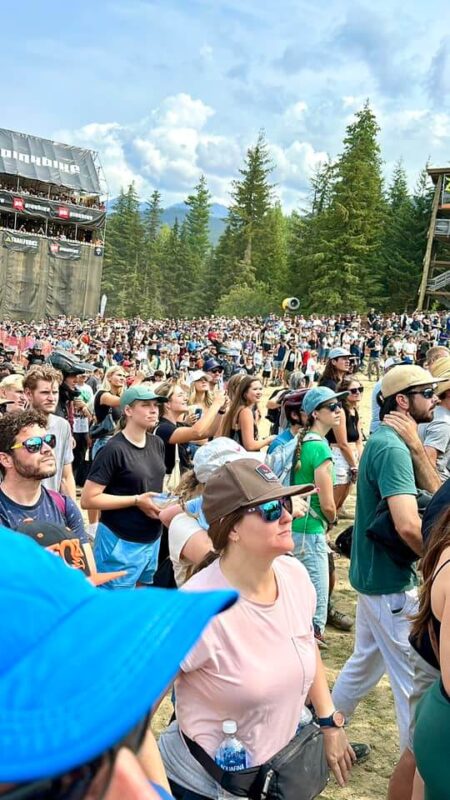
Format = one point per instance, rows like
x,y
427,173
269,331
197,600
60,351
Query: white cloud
x,y
182,110
440,126
295,113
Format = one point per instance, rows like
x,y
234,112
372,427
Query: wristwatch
x,y
335,720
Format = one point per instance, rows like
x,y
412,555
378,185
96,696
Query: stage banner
x,y
51,209
20,242
63,249
47,161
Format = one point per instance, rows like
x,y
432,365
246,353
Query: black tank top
x,y
351,422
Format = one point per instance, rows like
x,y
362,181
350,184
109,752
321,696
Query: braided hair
x,y
296,461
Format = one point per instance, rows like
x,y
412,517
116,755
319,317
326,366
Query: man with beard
x,y
26,459
393,466
41,385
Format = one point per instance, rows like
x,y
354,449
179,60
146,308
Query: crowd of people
x,y
30,189
53,230
134,450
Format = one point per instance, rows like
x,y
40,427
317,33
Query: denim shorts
x,y
113,554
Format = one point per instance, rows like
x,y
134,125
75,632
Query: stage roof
x,y
49,162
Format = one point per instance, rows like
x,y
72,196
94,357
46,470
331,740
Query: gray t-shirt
x,y
437,434
63,450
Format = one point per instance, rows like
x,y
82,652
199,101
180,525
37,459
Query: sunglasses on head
x,y
92,778
357,390
34,443
426,393
272,510
331,406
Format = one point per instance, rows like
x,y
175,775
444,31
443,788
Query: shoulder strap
x,y
59,501
312,437
438,571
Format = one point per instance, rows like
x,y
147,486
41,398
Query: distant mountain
x,y
216,220
179,210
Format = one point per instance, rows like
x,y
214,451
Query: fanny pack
x,y
297,772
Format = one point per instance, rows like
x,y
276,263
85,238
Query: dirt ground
x,y
374,719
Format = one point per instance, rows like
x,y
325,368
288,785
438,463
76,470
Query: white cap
x,y
218,452
197,375
229,726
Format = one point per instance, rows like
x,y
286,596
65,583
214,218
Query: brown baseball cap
x,y
242,484
405,376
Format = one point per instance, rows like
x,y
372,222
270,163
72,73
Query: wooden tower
x,y
435,282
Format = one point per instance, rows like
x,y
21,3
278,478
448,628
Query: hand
x,y
299,507
191,419
353,474
220,399
405,426
146,504
339,752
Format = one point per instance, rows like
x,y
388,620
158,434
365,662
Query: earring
x,y
235,539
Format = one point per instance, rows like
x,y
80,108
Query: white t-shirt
x,y
182,527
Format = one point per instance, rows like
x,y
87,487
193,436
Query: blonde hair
x,y
106,385
208,399
12,382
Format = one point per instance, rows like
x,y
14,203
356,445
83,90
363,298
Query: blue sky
x,y
168,89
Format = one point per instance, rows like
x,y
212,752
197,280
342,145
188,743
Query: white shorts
x,y
341,467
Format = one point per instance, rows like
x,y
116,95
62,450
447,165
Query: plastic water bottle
x,y
305,719
231,755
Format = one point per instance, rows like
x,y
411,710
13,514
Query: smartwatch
x,y
335,720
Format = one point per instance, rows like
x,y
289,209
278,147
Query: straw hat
x,y
441,369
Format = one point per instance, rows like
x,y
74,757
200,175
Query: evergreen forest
x,y
359,243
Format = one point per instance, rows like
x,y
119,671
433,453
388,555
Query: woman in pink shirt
x,y
258,662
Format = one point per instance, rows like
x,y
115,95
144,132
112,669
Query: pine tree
x,y
198,246
401,271
346,274
152,277
124,255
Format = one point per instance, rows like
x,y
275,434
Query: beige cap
x,y
441,369
405,376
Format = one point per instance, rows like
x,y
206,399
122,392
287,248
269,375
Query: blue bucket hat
x,y
320,394
80,667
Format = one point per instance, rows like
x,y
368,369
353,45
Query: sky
x,y
166,90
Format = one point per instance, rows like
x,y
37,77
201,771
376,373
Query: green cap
x,y
139,392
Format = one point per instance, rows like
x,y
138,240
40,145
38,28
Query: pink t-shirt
x,y
254,664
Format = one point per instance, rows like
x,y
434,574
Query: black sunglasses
x,y
331,406
357,390
93,777
426,393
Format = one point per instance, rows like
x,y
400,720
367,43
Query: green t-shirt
x,y
314,452
385,470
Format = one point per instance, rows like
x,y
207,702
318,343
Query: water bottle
x,y
231,755
305,719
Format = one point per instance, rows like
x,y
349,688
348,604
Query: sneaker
x,y
339,620
362,751
320,640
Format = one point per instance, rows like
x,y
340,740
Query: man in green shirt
x,y
393,465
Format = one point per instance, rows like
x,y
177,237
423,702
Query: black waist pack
x,y
297,772
383,532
